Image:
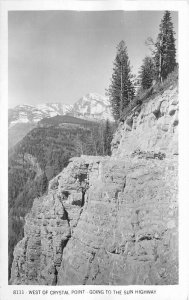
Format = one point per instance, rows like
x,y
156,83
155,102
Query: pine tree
x,y
42,184
121,89
108,135
147,72
165,53
79,145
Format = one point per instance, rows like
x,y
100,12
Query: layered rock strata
x,y
104,221
110,220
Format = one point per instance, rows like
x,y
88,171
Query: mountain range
x,y
91,106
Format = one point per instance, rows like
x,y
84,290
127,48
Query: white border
x,y
162,292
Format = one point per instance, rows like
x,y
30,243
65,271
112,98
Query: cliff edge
x,y
110,220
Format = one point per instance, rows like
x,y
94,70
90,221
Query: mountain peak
x,y
93,106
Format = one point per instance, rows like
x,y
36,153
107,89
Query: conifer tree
x,y
42,184
121,89
79,145
165,53
108,135
147,72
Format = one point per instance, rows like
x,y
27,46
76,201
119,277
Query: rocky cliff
x,y
152,126
110,220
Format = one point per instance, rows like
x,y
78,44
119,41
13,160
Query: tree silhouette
x,y
108,135
147,72
164,52
121,89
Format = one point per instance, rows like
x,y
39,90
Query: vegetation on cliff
x,y
165,53
147,73
121,89
154,71
163,60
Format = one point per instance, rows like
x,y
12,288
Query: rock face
x,y
109,220
153,127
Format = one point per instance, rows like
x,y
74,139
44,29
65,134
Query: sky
x,y
59,56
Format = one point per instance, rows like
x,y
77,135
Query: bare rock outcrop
x,y
127,233
50,224
111,222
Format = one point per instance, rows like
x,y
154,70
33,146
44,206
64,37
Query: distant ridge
x,y
33,114
65,119
91,106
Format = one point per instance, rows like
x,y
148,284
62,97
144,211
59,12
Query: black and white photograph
x,y
93,194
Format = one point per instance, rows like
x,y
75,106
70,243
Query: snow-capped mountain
x,y
92,106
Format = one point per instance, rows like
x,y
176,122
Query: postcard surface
x,y
94,150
